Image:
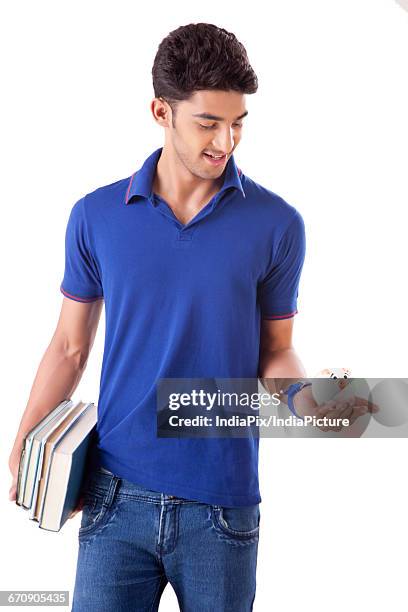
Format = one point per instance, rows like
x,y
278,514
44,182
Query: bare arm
x,y
278,359
60,369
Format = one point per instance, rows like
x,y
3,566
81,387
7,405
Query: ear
x,y
161,111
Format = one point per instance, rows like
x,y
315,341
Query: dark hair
x,y
200,56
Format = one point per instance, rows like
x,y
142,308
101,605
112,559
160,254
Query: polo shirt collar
x,y
140,183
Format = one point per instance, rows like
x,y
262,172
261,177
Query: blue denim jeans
x,y
133,541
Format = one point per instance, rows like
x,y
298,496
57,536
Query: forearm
x,y
279,368
57,377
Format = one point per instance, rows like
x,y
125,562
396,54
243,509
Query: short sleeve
x,y
81,280
278,291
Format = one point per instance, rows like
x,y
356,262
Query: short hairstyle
x,y
200,56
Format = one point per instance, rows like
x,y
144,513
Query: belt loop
x,y
110,495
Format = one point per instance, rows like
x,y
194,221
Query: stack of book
x,y
53,461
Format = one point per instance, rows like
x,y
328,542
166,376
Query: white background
x,y
327,130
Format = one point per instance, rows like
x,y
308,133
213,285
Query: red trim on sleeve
x,y
281,316
80,299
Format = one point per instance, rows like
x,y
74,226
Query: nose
x,y
224,141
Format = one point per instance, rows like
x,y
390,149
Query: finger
x,y
325,408
347,412
75,511
361,401
78,507
348,407
358,411
373,407
339,408
342,408
13,493
347,415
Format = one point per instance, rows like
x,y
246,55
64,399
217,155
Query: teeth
x,y
215,156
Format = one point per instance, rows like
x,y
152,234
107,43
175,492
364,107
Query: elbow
x,y
73,348
74,355
79,357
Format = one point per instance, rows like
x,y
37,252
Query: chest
x,y
211,258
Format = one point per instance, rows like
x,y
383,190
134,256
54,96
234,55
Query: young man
x,y
198,267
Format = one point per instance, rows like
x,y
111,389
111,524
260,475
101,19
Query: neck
x,y
175,182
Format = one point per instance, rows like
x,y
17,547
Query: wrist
x,y
298,394
304,402
16,450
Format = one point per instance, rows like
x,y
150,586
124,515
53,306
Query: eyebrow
x,y
216,117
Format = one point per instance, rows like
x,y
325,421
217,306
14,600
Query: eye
x,y
345,376
210,127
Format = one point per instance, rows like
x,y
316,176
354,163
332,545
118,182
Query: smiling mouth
x,y
219,159
214,155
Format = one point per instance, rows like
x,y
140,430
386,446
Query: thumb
x,y
13,492
77,508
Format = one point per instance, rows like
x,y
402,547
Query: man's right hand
x,y
78,507
14,462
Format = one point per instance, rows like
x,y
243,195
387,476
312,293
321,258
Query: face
x,y
207,125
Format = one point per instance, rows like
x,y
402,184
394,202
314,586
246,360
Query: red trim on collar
x,y
133,176
128,189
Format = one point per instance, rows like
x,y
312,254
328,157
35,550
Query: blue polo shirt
x,y
181,301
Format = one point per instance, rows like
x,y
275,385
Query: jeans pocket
x,y
240,524
92,512
100,505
